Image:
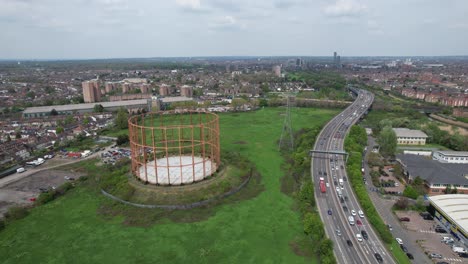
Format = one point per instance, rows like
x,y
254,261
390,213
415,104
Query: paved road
x,y
331,168
384,208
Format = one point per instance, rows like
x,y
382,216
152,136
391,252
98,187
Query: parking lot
x,y
114,154
422,231
20,192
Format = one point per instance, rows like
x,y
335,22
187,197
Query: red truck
x,y
323,188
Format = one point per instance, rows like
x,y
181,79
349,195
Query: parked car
x,y
435,255
390,227
20,170
405,249
440,230
404,219
399,241
409,255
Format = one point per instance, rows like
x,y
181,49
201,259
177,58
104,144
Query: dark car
x,y
43,190
409,255
329,212
364,234
345,208
349,243
404,219
428,217
404,248
440,230
346,198
341,199
378,257
442,262
463,255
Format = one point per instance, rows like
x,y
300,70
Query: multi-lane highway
x,y
338,206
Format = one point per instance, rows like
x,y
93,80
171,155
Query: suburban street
x,y
336,202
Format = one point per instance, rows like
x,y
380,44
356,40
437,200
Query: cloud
x,y
345,8
374,27
189,4
285,4
227,23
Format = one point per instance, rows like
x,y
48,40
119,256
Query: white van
x,y
351,220
341,182
20,170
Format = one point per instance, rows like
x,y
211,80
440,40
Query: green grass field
x,y
260,230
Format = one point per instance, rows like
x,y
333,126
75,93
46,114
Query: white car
x,y
359,237
399,241
353,212
337,189
361,213
328,185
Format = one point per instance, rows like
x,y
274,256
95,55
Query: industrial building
x,y
437,176
131,105
452,212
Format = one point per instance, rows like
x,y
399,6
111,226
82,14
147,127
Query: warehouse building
x,y
130,105
452,212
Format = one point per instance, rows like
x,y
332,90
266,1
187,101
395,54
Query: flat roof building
x,y
451,156
70,109
436,175
91,91
407,136
452,211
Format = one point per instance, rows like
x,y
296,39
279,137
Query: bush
x,y
46,197
83,178
2,224
355,145
16,213
410,192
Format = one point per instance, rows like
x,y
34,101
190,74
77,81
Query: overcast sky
x,y
59,29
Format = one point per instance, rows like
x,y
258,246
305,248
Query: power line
x,y
287,139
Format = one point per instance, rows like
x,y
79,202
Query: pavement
x,y
384,208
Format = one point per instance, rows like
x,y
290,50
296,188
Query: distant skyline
x,y
88,29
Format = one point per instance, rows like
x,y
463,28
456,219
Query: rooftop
x,y
454,206
433,171
72,107
453,153
405,132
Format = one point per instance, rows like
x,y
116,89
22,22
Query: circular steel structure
x,y
174,147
